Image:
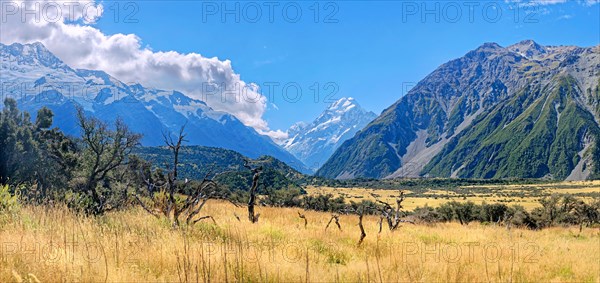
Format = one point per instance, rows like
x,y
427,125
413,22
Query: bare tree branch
x,y
335,217
302,216
360,226
252,216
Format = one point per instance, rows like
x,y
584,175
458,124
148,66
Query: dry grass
x,y
54,245
434,198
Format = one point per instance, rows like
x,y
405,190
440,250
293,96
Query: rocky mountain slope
x,y
36,78
314,143
525,110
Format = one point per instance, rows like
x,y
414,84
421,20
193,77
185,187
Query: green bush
x,y
9,202
426,214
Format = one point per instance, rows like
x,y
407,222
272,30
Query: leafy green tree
x,y
13,127
494,212
33,154
518,216
103,152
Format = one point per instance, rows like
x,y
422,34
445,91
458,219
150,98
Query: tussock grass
x,y
54,245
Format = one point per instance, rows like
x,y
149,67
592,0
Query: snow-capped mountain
x,y
314,143
32,75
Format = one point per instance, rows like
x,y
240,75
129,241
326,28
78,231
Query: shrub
x,y
426,214
520,217
9,202
289,197
324,203
494,212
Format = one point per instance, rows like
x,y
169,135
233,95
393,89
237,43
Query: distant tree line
x,y
554,210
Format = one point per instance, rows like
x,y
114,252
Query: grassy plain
x,y
54,245
526,195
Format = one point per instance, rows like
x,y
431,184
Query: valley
x,y
526,195
362,142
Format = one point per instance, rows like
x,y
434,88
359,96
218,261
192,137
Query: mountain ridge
x,y
425,125
37,78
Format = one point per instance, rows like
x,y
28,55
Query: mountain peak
x,y
343,104
528,42
313,143
32,54
485,50
528,48
489,45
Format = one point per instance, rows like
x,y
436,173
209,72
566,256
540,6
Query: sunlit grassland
x,y
526,195
55,245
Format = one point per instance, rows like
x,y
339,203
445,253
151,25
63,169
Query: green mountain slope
x,y
522,111
543,140
228,166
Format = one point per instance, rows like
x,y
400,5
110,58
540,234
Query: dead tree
x,y
252,200
162,192
391,215
302,216
335,217
361,212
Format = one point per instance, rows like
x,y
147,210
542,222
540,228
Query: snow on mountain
x,y
36,78
314,143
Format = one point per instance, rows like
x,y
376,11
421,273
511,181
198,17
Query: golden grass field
x,y
435,197
54,245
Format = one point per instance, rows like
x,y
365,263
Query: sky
x,y
268,53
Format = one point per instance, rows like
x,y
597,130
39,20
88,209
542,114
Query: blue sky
x,y
373,51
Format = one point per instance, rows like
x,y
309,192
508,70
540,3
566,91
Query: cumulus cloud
x,y
65,29
550,2
536,2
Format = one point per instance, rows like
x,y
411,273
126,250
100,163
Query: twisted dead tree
x,y
361,212
252,216
173,199
302,216
391,215
335,217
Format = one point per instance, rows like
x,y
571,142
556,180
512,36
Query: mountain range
x,y
521,111
35,77
314,143
526,110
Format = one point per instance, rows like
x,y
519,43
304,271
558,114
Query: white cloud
x,y
536,2
565,17
279,136
550,2
68,33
